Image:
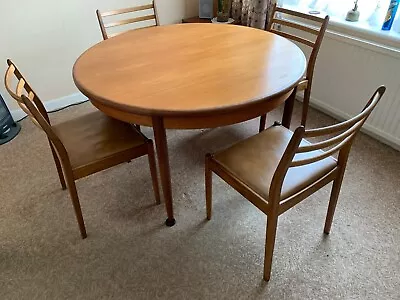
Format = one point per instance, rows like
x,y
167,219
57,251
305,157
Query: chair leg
x,y
208,183
288,109
337,184
263,121
153,171
58,166
272,223
75,202
306,104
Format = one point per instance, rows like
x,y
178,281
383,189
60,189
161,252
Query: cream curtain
x,y
253,13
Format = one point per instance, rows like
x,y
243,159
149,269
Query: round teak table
x,y
190,76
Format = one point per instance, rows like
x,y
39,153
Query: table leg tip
x,y
170,222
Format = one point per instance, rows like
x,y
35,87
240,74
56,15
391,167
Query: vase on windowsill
x,y
353,15
375,19
224,10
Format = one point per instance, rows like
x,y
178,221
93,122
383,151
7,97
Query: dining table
x,y
190,76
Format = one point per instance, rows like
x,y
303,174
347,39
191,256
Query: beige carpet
x,y
130,254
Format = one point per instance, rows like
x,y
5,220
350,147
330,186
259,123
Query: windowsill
x,y
360,30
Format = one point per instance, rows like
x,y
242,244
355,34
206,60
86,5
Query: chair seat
x,y
94,137
254,161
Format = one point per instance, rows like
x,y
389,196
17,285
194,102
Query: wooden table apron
x,y
190,76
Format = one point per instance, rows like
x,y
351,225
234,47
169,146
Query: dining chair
x,y
84,145
277,168
115,13
298,22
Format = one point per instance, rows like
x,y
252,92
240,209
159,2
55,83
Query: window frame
x,y
358,31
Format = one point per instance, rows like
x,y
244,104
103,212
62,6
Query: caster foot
x,y
170,222
277,123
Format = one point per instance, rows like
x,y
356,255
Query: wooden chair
x,y
84,145
306,84
104,26
278,168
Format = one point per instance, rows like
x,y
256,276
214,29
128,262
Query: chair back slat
x,y
104,26
129,21
278,18
19,86
127,10
331,129
348,123
10,73
293,37
35,109
321,155
344,134
32,109
329,142
295,26
299,14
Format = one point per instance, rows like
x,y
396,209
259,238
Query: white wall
x,y
346,75
347,72
45,37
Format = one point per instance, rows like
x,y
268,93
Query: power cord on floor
x,y
58,109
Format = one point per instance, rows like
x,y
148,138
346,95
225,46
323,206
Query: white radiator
x,y
347,73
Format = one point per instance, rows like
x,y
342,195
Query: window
x,y
372,12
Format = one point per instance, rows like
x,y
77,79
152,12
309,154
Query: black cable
x,y
58,109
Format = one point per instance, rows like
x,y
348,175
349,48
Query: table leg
x,y
163,161
263,121
288,110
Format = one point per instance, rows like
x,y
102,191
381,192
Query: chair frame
x,y
344,134
104,26
34,108
306,84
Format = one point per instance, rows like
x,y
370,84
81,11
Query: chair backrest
x,y
277,18
102,15
23,87
341,137
30,103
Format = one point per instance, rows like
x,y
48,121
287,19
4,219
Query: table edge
x,y
181,113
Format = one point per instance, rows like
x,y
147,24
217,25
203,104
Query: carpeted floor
x,y
130,254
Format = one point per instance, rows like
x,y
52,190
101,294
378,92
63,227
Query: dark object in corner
x,y
8,128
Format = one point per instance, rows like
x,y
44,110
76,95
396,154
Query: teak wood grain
x,y
189,76
189,69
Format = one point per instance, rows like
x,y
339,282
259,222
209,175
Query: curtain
x,y
253,13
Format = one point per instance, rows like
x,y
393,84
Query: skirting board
x,y
51,105
374,132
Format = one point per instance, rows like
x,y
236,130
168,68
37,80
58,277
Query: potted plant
x,y
224,8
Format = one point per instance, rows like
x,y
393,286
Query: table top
x,y
186,69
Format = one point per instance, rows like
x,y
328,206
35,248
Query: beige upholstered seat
x,y
83,145
95,136
278,168
255,160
